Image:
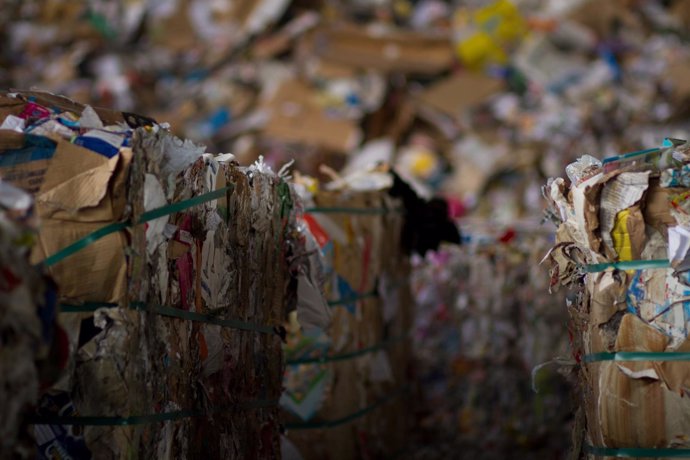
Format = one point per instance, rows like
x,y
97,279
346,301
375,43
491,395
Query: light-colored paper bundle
x,y
357,401
622,242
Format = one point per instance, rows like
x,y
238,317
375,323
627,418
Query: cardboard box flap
x,y
604,17
76,178
11,140
657,212
676,375
389,50
605,298
10,106
677,75
295,116
460,92
636,335
97,273
24,159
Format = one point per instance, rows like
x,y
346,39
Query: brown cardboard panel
x,y
630,411
676,375
385,51
681,10
678,76
25,160
27,176
10,140
460,92
78,181
55,101
604,17
10,106
296,117
636,335
638,403
97,273
657,212
606,299
591,213
70,180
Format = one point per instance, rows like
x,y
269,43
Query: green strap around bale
x,y
349,418
173,312
627,156
355,298
89,420
637,356
145,217
346,356
638,452
628,265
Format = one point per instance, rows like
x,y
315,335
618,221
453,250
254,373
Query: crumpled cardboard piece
x,y
639,403
77,191
677,74
97,273
44,98
460,92
77,185
656,210
604,18
608,296
10,106
384,50
295,116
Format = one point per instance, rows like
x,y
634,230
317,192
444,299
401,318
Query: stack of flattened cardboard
x,y
171,269
355,405
622,242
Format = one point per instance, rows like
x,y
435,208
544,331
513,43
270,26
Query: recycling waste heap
x,y
177,305
622,245
347,356
487,339
173,281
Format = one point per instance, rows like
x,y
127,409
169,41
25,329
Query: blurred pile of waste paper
x,y
490,341
479,100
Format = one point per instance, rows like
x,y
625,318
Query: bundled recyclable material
x,y
622,246
173,281
487,338
347,363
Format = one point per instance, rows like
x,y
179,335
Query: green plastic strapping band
x,y
349,418
366,295
628,265
627,156
637,356
346,356
345,210
638,452
173,312
88,420
145,217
